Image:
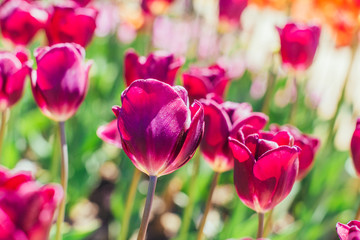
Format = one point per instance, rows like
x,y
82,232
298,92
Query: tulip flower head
x,y
12,78
298,45
109,133
230,12
265,168
199,81
26,209
155,7
221,120
355,147
308,145
21,20
349,231
71,24
158,65
159,131
60,82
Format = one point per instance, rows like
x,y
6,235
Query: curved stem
x,y
260,226
357,216
295,101
4,116
207,206
268,223
64,179
190,206
129,205
272,75
147,209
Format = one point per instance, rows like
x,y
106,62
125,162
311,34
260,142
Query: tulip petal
x,y
110,133
342,231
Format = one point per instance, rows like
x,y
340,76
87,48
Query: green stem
x,y
129,205
207,206
64,179
190,206
147,209
269,90
294,101
3,126
260,226
268,223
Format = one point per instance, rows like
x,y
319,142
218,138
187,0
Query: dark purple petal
x,y
355,147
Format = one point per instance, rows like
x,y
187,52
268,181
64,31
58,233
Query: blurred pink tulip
x,y
221,120
230,12
355,147
199,81
26,208
159,131
308,145
110,133
265,169
71,24
298,45
159,65
13,72
61,80
155,7
20,20
349,231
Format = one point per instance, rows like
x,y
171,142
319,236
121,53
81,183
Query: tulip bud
x,y
349,231
230,12
60,82
159,131
355,147
298,45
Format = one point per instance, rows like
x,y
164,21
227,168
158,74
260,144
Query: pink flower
x,y
266,166
199,81
21,20
230,12
155,7
298,45
71,24
26,209
13,72
109,133
159,131
60,82
308,145
222,119
158,65
349,231
355,147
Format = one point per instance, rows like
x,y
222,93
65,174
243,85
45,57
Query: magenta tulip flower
x,y
230,12
21,20
71,24
13,73
222,119
159,132
155,7
298,45
158,65
308,145
26,208
60,82
355,147
265,169
199,81
109,133
349,231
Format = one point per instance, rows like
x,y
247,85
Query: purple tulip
x,y
13,72
71,24
200,81
308,145
21,20
159,131
222,119
230,12
60,82
298,45
355,147
265,169
26,209
349,231
158,65
109,133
